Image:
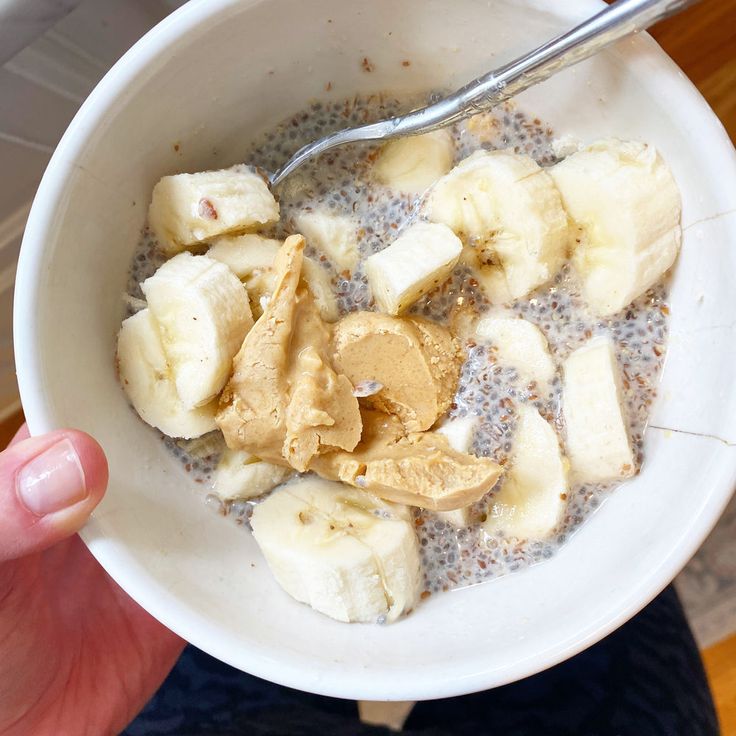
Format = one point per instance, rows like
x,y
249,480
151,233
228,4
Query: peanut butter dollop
x,y
415,362
418,469
284,401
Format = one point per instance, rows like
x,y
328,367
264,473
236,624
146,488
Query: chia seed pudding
x,y
339,181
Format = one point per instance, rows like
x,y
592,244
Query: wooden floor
x,y
720,664
702,40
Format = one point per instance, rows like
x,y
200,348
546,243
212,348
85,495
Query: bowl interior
x,y
208,79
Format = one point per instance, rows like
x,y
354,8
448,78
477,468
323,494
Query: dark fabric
x,y
646,679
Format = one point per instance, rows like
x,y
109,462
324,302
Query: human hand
x,y
78,657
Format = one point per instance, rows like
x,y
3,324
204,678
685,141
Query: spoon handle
x,y
611,24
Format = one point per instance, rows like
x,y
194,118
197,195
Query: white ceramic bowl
x,y
208,78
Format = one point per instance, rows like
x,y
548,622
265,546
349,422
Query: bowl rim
x,y
40,419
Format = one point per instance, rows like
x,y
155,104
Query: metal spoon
x,y
482,94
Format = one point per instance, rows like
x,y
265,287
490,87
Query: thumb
x,y
48,487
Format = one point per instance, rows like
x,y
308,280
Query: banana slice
x,y
245,255
334,235
250,257
509,210
489,275
149,384
626,205
521,345
242,475
260,285
597,437
416,262
187,209
342,551
459,433
203,315
413,164
532,499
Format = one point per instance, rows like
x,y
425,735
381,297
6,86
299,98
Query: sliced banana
x,y
532,499
187,209
149,384
520,345
414,163
342,551
510,212
489,275
459,433
250,257
626,205
418,261
597,437
203,315
245,255
242,475
334,235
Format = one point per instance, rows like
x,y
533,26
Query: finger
x,y
48,487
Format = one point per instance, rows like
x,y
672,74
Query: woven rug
x,y
707,586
